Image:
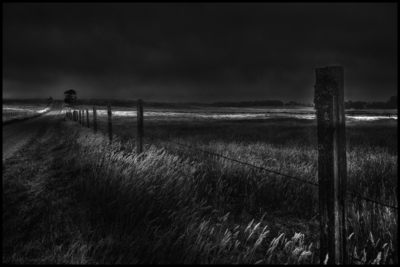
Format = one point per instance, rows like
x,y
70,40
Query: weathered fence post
x,y
87,117
140,126
94,119
332,167
80,117
74,115
109,123
83,118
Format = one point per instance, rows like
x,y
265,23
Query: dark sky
x,y
202,52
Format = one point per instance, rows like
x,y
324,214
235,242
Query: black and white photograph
x,y
249,133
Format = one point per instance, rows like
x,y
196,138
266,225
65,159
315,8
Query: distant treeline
x,y
276,103
390,104
248,103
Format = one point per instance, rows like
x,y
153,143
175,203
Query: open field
x,y
179,205
17,109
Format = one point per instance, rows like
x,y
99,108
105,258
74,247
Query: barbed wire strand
x,y
245,163
264,169
374,201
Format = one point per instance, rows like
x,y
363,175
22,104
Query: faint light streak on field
x,y
371,118
25,109
204,115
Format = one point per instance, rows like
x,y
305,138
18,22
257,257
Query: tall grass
x,y
286,146
160,208
106,204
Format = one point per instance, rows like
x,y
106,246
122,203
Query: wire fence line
x,y
265,169
259,167
373,201
238,161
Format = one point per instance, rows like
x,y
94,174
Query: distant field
x,y
176,203
158,112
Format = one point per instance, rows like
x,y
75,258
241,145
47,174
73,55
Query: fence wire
x,y
264,169
241,162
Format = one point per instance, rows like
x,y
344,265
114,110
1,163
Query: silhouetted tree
x,y
70,96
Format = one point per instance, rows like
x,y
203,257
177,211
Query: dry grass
x,y
175,205
287,146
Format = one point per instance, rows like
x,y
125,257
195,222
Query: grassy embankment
x,y
172,205
21,109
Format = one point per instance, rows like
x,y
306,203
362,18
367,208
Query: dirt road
x,y
17,134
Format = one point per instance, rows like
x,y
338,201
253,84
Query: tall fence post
x,y
80,117
140,126
87,118
332,166
83,118
94,119
109,123
75,115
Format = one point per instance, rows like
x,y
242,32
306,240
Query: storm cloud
x,y
201,52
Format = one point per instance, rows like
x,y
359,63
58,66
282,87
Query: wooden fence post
x,y
332,166
83,118
87,117
109,123
94,119
140,126
80,117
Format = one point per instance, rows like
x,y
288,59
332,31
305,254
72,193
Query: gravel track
x,y
15,135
